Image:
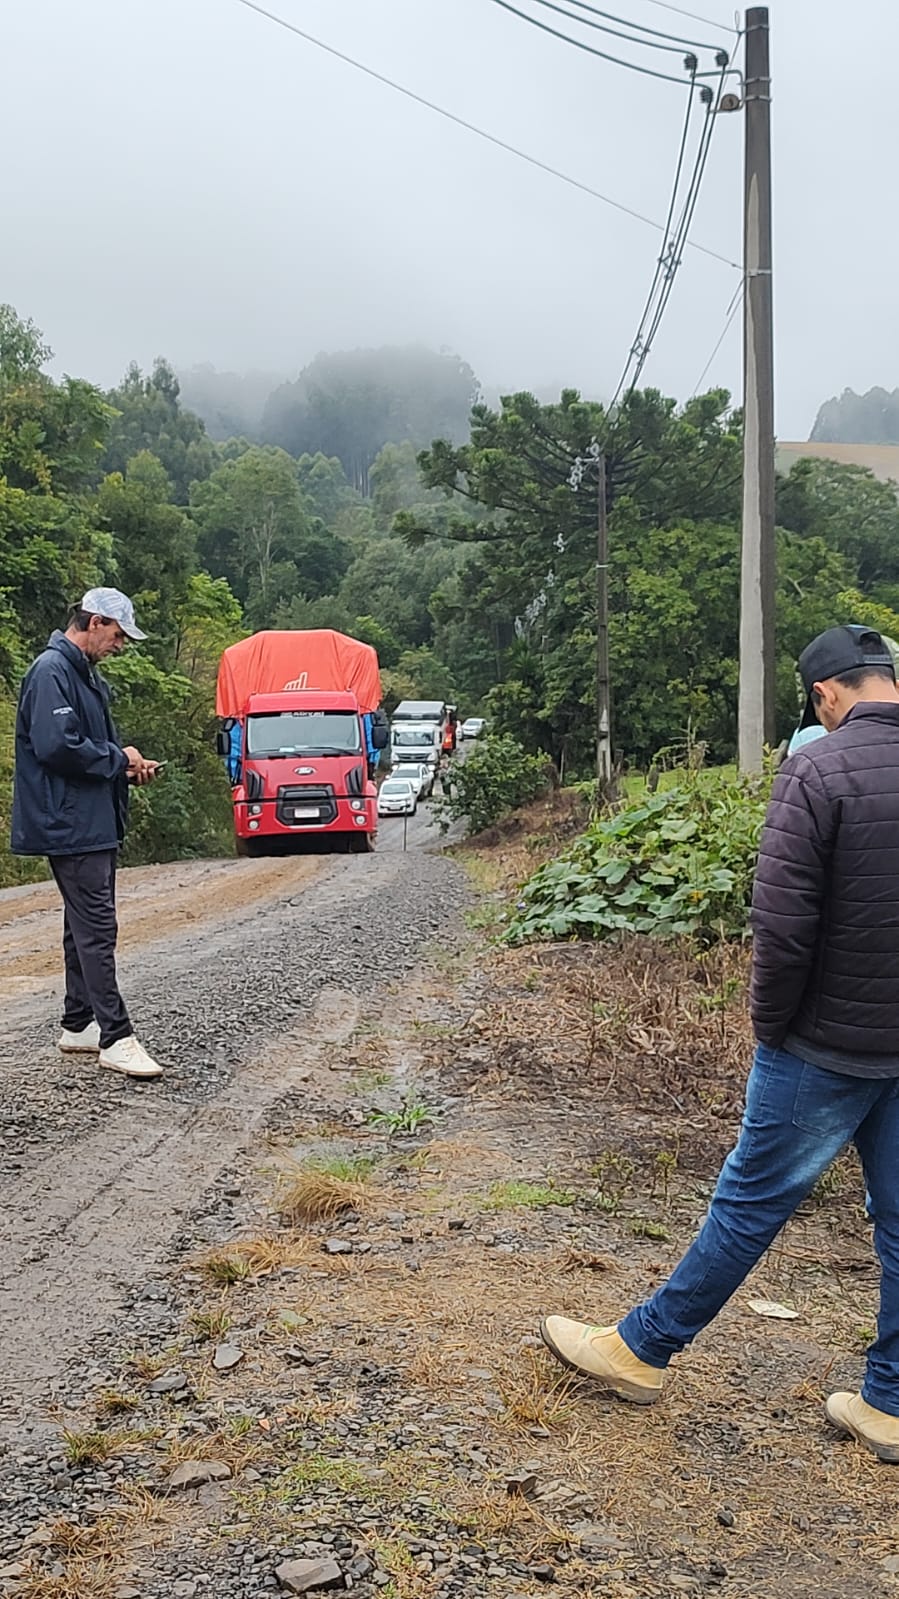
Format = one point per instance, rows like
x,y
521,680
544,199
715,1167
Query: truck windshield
x,y
303,733
412,738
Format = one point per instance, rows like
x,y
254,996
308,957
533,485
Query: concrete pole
x,y
757,576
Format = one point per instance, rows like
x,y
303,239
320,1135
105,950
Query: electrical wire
x,y
663,258
707,22
654,43
675,39
671,257
619,61
471,127
732,310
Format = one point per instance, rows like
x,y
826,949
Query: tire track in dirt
x,y
76,1238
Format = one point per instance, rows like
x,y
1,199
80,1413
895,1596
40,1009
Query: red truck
x,y
301,736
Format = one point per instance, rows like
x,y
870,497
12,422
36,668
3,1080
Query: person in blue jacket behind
x,y
70,802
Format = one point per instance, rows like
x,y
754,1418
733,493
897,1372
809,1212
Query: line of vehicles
x,y
304,740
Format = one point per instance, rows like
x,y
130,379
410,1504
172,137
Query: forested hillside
x,y
470,565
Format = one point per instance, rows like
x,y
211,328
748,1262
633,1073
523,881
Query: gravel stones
x,y
309,1576
171,1382
227,1356
194,1473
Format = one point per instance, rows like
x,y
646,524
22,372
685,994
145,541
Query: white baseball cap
x,y
115,605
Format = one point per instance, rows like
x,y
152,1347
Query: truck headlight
x,y
357,805
253,826
255,810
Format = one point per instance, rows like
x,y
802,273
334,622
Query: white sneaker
x,y
130,1058
87,1042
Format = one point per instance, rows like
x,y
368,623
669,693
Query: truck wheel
x,y
248,848
361,844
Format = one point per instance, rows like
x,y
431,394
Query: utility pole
x,y
603,685
757,576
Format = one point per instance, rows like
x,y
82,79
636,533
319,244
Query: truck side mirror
x,y
223,743
380,735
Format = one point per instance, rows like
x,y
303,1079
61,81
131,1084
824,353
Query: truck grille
x,y
316,806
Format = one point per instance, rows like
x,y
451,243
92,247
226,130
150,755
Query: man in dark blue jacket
x,y
70,802
824,1002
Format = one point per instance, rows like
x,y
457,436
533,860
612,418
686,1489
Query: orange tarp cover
x,y
275,662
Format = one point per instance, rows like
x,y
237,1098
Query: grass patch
x,y
225,1268
641,1228
535,1399
88,1448
517,1195
112,1402
253,1257
348,1168
412,1115
314,1196
81,1579
209,1326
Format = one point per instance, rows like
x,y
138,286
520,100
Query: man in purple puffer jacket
x,y
824,1001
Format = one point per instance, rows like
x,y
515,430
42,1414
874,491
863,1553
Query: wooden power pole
x,y
757,577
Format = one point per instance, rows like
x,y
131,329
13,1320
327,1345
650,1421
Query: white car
x,y
422,777
472,727
397,796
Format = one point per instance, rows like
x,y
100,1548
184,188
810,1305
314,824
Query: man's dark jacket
x,y
825,908
70,795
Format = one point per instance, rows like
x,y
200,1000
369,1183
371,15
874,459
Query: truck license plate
x,y
303,813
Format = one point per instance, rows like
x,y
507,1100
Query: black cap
x,y
839,650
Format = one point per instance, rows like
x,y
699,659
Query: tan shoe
x,y
601,1352
876,1429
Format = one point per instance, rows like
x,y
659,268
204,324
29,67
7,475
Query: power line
x,y
663,258
733,308
672,255
619,61
665,5
584,5
654,43
471,127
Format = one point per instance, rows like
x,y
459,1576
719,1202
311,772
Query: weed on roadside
x,y
314,1196
413,1115
89,1448
209,1326
112,1402
516,1195
642,1228
79,1579
534,1396
225,1268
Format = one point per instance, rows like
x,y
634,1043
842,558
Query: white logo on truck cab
x,y
298,683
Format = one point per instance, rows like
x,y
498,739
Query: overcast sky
x,y
183,177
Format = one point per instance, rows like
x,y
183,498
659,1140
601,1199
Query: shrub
x,y
497,776
670,863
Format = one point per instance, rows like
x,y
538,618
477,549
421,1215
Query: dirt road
x,y
234,971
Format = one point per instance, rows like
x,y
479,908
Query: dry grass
x,y
315,1196
148,1366
81,1579
237,1445
115,1402
209,1326
536,1396
253,1258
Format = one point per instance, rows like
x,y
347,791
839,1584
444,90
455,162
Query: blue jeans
x,y
798,1118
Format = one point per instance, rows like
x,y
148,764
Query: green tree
x,y
351,403
850,510
149,416
153,540
254,530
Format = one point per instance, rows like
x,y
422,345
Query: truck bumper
x,y
266,824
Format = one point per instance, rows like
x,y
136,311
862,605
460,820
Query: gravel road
x,y
233,972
